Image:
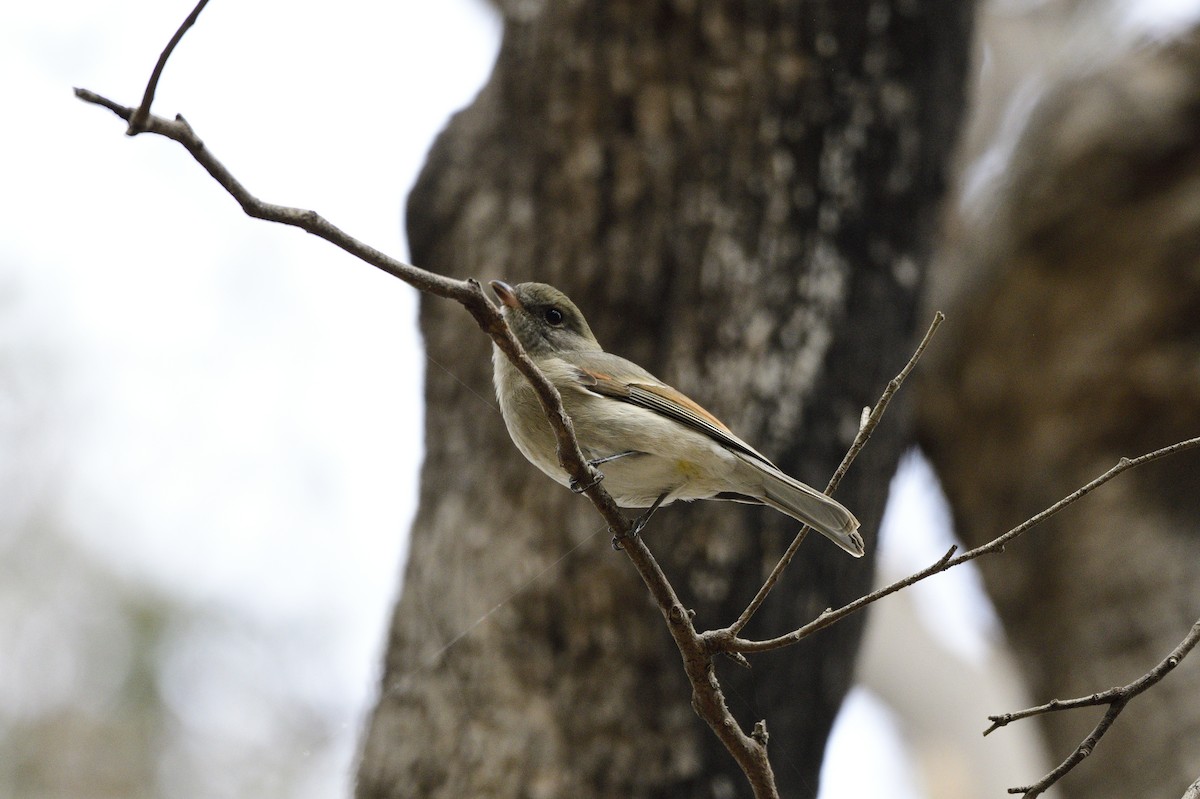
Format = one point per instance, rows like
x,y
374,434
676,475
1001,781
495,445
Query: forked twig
x,y
1115,698
723,641
137,122
864,434
749,751
697,649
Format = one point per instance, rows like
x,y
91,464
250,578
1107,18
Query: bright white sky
x,y
235,409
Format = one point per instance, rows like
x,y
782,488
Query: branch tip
x,y
1116,699
139,118
709,703
868,422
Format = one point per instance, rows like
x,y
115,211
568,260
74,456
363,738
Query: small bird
x,y
655,444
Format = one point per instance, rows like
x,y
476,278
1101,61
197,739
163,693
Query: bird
x,y
652,444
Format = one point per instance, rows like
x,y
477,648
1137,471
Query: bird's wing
x,y
644,390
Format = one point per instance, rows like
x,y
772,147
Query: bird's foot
x,y
639,523
579,487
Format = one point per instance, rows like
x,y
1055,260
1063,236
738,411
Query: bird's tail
x,y
825,515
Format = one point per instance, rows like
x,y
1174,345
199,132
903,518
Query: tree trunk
x,y
1075,340
738,196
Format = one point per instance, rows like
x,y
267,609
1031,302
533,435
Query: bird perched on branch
x,y
652,444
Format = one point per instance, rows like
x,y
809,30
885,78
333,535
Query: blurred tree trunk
x,y
1074,340
739,197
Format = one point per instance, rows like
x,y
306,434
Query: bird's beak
x,y
505,293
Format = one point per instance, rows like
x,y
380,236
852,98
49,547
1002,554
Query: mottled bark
x,y
1075,314
739,196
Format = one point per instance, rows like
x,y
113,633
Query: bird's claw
x,y
635,529
633,533
580,488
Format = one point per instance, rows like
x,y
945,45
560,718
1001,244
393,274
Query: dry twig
x,y
749,751
697,649
1115,698
138,121
860,441
725,641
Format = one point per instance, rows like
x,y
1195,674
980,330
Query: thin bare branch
x,y
466,292
864,434
310,221
749,751
138,120
708,700
697,650
724,641
1115,698
1102,698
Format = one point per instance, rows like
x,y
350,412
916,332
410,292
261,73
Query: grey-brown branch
x,y
1115,698
697,650
750,752
860,440
725,641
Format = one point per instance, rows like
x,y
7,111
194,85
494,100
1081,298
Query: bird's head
x,y
543,319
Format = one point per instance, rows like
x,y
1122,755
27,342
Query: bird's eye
x,y
553,316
